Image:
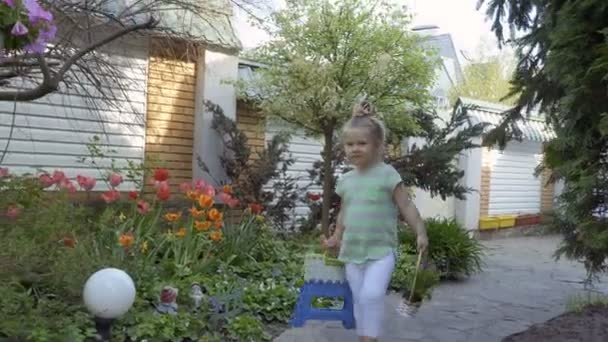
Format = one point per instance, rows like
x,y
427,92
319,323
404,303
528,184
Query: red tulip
x,y
161,175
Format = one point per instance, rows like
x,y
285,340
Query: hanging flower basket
x,y
25,26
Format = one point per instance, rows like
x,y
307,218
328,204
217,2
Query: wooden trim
x,y
485,188
547,192
170,114
253,123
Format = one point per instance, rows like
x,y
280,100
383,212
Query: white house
x,y
158,113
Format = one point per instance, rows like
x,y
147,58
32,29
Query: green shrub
x,y
247,328
403,277
453,252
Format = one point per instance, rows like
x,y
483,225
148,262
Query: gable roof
x,y
532,128
213,27
444,45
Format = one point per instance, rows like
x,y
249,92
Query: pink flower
x,y
133,195
233,203
115,179
19,29
3,172
67,184
12,212
58,177
9,3
185,187
110,196
224,197
46,181
209,190
200,184
164,191
143,207
86,183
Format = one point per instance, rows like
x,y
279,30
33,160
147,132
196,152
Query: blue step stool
x,y
304,310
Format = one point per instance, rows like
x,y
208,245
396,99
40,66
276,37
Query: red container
x,y
527,220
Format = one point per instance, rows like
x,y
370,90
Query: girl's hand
x,y
329,243
422,243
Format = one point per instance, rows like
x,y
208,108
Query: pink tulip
x,y
185,187
86,183
224,197
110,196
70,187
115,179
200,184
209,190
46,181
4,172
233,203
58,177
143,207
12,212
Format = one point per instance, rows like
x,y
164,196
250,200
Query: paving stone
x,y
521,285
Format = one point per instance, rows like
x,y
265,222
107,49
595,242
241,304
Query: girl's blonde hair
x,y
364,116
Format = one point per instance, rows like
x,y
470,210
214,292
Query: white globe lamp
x,y
108,294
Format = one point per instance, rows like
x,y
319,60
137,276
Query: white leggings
x,y
368,283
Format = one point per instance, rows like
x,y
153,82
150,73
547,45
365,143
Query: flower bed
x,y
51,244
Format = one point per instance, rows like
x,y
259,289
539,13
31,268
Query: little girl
x,y
366,230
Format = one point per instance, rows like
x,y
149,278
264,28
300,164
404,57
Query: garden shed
x,y
505,179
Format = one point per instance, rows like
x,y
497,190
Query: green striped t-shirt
x,y
370,214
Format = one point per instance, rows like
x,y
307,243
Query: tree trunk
x,y
328,177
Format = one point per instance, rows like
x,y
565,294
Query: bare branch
x,y
50,84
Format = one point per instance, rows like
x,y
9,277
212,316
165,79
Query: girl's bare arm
x,y
410,214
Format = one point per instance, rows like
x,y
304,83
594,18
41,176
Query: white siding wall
x,y
52,132
513,187
305,151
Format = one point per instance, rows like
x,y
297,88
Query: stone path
x,y
521,285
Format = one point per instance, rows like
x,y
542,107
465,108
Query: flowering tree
x,y
55,42
323,55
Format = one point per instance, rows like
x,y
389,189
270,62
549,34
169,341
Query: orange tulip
x,y
218,224
126,240
202,225
172,217
215,215
197,213
205,201
227,189
181,232
215,236
192,195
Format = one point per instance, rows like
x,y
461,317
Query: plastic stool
x,y
304,310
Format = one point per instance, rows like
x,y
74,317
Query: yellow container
x,y
507,221
489,222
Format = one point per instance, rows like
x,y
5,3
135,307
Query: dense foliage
x,y
51,244
453,252
258,176
562,70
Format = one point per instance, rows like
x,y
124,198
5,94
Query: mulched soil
x,y
589,325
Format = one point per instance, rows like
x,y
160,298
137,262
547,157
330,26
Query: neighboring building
x,y
159,114
504,181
